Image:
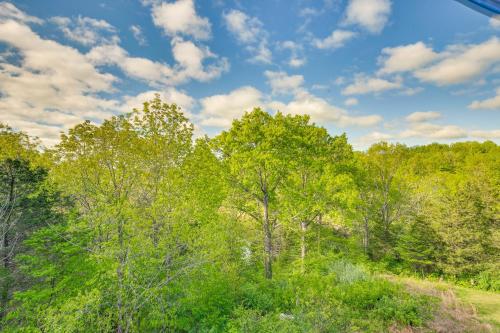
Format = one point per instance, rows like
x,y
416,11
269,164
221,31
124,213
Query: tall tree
x,y
311,186
257,152
382,192
24,203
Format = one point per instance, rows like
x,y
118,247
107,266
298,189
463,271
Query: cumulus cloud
x,y
374,137
351,102
322,111
180,18
494,134
249,31
490,103
405,58
282,83
495,22
169,95
371,15
10,12
433,131
297,59
190,63
335,40
138,34
51,87
86,30
364,84
304,102
418,117
460,63
221,110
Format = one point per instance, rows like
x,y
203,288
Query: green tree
x,y
24,203
257,153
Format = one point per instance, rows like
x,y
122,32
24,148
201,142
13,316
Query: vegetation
x,y
272,226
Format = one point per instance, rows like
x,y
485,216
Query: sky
x,y
410,71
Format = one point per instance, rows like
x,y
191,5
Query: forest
x,y
273,225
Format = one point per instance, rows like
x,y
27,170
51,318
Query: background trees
x,y
273,225
25,203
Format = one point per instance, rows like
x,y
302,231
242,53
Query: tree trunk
x,y
303,229
120,274
366,235
5,292
9,209
268,245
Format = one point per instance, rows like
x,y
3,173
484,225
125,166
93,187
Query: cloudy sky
x,y
413,71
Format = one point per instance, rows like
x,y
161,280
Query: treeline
x,y
134,226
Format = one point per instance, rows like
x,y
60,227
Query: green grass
x,y
486,303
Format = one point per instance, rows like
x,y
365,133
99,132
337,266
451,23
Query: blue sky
x,y
412,71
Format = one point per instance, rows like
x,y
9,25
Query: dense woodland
x,y
274,225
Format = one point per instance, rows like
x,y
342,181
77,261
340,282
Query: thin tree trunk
x,y
5,244
366,235
303,229
120,273
268,245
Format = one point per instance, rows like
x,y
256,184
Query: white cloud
x,y
364,85
490,103
180,18
309,11
169,95
369,14
261,53
351,102
374,137
191,58
494,134
405,58
249,31
462,63
495,22
297,59
418,117
138,35
190,63
322,111
221,110
433,131
10,12
297,62
52,87
246,29
138,68
336,39
86,30
282,83
339,81
411,91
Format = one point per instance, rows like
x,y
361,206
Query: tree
x,y
257,152
24,202
381,194
127,176
310,189
419,245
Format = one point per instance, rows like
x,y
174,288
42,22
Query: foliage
x,y
274,225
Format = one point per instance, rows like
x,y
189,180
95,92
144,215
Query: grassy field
x,y
487,304
460,309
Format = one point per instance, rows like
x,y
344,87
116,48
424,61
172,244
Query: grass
x,y
461,309
486,303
